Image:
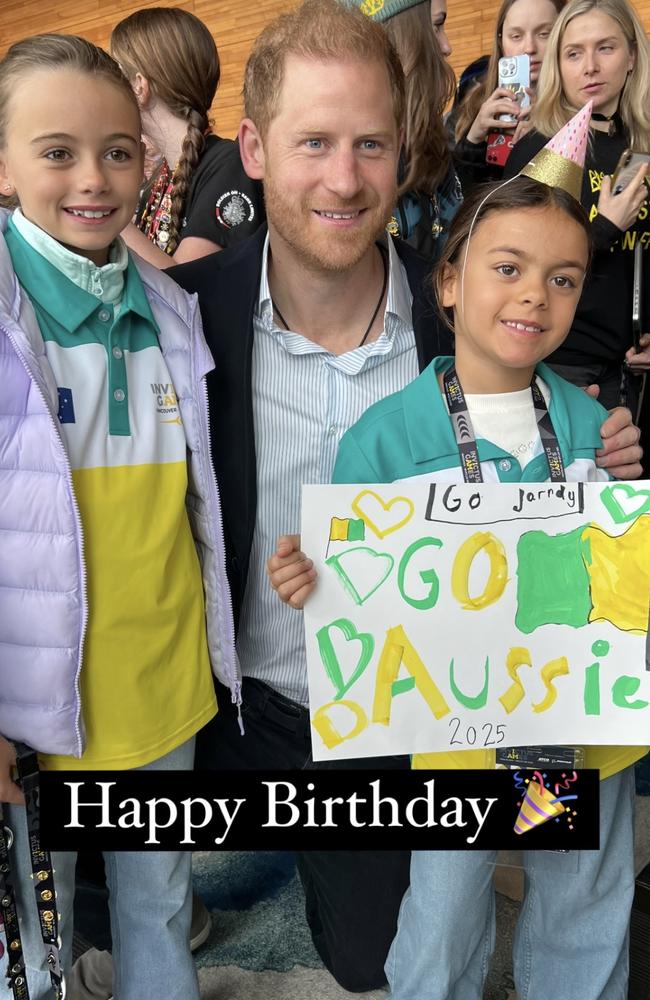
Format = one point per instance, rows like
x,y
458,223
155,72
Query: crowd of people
x,y
332,282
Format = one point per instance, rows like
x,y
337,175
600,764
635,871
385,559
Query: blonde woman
x,y
201,200
599,51
522,27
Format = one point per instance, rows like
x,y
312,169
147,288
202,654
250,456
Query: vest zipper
x,y
77,513
235,676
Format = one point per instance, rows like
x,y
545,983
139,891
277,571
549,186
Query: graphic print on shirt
x,y
233,208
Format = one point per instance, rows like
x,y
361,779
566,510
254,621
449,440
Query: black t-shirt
x,y
602,328
224,205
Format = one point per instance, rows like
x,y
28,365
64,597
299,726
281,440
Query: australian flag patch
x,y
66,406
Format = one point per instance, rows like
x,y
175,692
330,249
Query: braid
x,y
193,145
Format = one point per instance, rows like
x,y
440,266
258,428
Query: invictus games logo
x,y
166,402
233,208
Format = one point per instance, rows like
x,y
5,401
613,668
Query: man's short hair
x,y
318,29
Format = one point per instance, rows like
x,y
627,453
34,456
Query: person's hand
x,y
621,452
524,125
9,790
639,362
523,128
291,573
622,209
500,102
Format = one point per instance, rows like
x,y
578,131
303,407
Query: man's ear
x,y
251,149
448,282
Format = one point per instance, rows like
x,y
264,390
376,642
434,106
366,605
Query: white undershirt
x,y
508,420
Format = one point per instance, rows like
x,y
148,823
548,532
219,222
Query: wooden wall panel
x,y
234,24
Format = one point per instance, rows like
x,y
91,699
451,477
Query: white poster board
x,y
465,617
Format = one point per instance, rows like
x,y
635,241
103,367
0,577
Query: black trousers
x,y
352,897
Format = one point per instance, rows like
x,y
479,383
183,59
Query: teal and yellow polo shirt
x,y
146,683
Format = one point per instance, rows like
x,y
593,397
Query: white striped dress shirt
x,y
304,399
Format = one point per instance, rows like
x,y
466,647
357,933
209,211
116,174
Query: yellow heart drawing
x,y
384,507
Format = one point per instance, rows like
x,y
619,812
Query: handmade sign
x,y
477,616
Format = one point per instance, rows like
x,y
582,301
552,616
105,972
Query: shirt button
x,y
118,395
104,315
332,430
117,353
505,465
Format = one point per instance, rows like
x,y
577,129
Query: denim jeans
x,y
150,906
571,938
351,897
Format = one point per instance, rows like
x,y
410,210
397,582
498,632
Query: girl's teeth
x,y
522,326
90,215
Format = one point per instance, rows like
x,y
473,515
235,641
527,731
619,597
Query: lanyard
x,y
466,440
27,766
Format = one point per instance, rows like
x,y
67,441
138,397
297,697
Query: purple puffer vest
x,y
43,604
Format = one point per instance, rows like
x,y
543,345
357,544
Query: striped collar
x,y
397,315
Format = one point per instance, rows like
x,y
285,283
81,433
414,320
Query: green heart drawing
x,y
619,513
331,661
364,571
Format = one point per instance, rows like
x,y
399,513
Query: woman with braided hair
x,y
200,200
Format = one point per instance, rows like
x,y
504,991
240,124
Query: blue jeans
x,y
150,905
571,938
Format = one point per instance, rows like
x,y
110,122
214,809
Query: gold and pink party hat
x,y
539,805
561,162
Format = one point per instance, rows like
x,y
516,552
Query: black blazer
x,y
227,284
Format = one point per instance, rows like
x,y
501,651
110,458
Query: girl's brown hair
x,y
473,104
174,51
515,195
48,52
430,85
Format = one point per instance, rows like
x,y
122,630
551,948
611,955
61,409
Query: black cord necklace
x,y
384,259
610,119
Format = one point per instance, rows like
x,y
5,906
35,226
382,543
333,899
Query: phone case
x,y
499,147
626,168
514,75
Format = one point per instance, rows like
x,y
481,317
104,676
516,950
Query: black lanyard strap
x,y
466,439
43,876
15,971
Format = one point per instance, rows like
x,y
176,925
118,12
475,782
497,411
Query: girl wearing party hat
x,y
512,273
598,51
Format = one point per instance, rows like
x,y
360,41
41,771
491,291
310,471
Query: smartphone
x,y
514,75
499,147
637,294
626,168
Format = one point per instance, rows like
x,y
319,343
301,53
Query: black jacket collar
x,y
227,285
